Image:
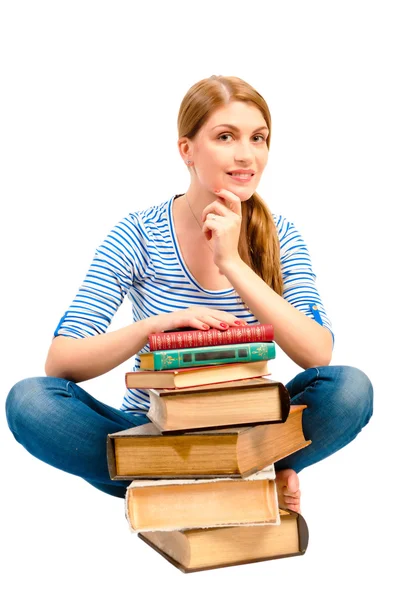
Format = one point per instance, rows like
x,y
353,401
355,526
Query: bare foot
x,y
288,491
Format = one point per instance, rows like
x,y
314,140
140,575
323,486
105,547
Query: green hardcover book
x,y
161,360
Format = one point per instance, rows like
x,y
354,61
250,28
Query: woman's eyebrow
x,y
229,126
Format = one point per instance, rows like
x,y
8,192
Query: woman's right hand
x,y
196,317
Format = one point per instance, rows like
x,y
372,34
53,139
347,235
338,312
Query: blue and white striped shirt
x,y
141,258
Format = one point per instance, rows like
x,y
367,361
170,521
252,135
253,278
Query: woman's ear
x,y
185,149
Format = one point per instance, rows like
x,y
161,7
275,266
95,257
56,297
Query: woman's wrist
x,y
231,265
154,324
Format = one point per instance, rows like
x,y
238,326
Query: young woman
x,y
212,257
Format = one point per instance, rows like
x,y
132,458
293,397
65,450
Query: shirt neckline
x,y
180,256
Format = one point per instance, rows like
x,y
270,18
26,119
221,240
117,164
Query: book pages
x,y
266,473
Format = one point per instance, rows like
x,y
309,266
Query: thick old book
x,y
190,376
159,505
144,452
207,355
194,338
193,550
249,402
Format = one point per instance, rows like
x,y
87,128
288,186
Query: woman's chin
x,y
248,197
243,192
245,195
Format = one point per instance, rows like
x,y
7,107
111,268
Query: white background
x,y
89,102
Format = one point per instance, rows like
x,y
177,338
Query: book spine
x,y
285,401
303,534
213,355
169,340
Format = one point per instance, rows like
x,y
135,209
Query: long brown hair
x,y
258,245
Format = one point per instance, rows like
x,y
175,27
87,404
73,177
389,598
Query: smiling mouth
x,y
242,176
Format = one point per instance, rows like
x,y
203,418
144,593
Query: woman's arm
x,y
82,359
306,342
82,348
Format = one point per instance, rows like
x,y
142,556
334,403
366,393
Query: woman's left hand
x,y
222,224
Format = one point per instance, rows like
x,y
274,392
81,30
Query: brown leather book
x,y
203,549
249,402
144,452
195,376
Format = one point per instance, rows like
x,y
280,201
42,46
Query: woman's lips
x,y
241,177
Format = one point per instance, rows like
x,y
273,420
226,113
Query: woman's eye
x,y
224,136
260,137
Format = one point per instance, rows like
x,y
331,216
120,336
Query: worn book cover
x,y
194,550
249,402
190,376
143,452
167,505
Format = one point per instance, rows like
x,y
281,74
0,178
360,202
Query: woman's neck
x,y
199,199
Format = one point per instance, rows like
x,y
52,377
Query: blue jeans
x,y
61,424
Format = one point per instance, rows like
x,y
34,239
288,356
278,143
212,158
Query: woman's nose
x,y
243,152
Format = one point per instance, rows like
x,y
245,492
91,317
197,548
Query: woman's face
x,y
230,150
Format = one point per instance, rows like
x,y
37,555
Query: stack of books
x,y
203,491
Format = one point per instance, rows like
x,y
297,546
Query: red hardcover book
x,y
195,338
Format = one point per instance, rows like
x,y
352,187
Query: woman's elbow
x,y
55,361
322,355
51,368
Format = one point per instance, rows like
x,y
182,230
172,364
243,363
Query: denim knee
x,y
339,402
351,394
26,403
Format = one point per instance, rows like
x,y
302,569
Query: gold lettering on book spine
x,y
261,351
168,341
166,360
